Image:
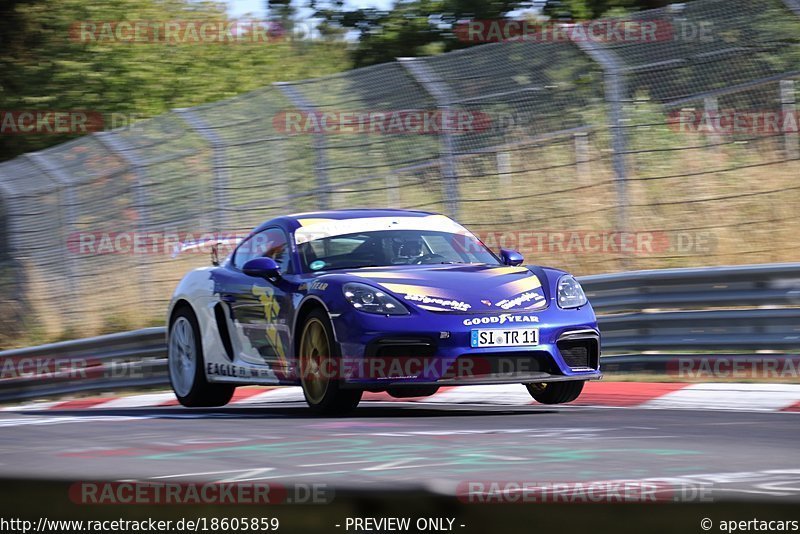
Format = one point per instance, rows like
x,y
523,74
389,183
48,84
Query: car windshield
x,y
392,247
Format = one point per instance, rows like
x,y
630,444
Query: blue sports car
x,y
342,302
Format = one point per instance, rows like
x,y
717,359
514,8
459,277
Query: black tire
x,y
319,368
555,392
201,393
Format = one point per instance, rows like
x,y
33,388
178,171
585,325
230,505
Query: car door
x,y
261,309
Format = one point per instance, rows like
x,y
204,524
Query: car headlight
x,y
372,300
570,293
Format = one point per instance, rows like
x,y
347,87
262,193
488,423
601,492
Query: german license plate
x,y
496,337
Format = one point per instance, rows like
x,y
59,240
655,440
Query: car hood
x,y
459,288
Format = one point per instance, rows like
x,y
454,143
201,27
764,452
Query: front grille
x,y
401,348
579,353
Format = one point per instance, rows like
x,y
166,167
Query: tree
x,y
45,67
423,27
281,12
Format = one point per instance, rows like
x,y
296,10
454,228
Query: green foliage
x,y
422,27
44,68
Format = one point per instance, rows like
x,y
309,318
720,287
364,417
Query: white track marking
x,y
136,401
711,396
282,394
736,397
31,406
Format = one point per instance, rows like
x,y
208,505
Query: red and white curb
x,y
665,396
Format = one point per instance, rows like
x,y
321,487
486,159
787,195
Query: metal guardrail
x,y
648,319
744,308
128,360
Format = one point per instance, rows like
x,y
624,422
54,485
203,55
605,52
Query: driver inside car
x,y
407,251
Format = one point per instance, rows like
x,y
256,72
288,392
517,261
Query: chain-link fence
x,y
669,142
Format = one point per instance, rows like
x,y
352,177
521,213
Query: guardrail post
x,y
441,95
791,139
615,95
220,172
318,145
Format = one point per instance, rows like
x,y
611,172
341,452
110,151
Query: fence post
x,y
791,139
582,169
320,161
15,290
789,100
441,95
504,174
118,146
66,196
392,190
219,171
711,114
793,5
615,93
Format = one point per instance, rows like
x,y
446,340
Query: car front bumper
x,y
426,348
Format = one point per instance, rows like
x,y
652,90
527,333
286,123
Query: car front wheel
x,y
319,372
555,392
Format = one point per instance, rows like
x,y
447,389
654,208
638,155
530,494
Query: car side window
x,y
269,243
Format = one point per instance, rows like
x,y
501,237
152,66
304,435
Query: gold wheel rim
x,y
314,354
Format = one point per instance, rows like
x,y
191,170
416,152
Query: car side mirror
x,y
511,257
262,268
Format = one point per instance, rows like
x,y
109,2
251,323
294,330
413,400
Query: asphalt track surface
x,y
403,445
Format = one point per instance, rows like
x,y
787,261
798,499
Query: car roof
x,y
358,214
291,222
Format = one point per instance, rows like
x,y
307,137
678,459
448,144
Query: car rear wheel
x,y
319,369
555,392
186,365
